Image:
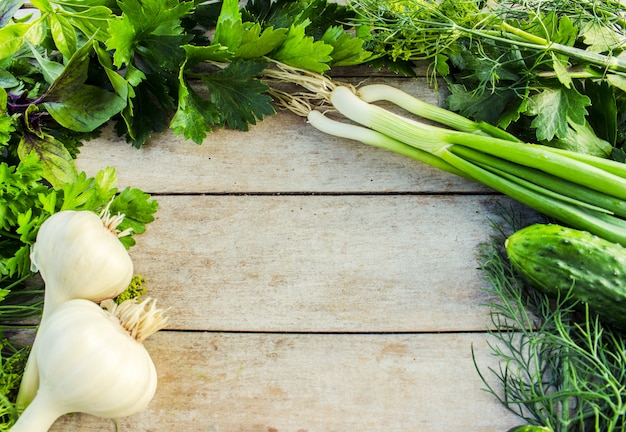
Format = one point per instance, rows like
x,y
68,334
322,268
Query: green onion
x,y
582,191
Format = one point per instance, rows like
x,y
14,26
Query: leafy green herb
x,y
523,65
75,65
12,361
559,367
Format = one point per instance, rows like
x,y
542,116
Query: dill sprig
x,y
559,366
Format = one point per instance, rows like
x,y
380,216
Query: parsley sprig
x,y
147,65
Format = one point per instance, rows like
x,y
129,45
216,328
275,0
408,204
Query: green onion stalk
x,y
582,191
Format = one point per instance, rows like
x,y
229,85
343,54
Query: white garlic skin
x,y
78,257
87,363
91,364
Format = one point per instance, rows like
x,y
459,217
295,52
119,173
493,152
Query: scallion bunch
x,y
579,190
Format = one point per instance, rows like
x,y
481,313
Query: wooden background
x,y
315,284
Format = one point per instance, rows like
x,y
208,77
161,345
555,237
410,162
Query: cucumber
x,y
556,259
530,428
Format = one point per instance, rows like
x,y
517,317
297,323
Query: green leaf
x,y
554,108
25,226
347,50
485,106
561,71
138,209
245,40
238,95
618,81
229,25
86,109
7,122
142,21
121,87
255,44
43,5
603,110
601,39
198,54
73,76
77,106
7,79
195,116
93,22
63,34
149,111
583,139
19,188
58,165
164,52
121,40
50,70
11,39
303,51
84,193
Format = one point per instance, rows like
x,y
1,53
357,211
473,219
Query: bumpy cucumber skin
x,y
555,259
529,428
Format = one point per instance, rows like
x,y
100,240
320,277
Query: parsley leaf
x,y
302,51
235,98
238,94
194,116
144,26
553,108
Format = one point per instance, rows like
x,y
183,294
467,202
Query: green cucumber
x,y
530,428
556,259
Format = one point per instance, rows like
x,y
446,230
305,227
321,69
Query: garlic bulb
x,y
79,255
91,360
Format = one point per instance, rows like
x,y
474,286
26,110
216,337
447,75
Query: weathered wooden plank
x,y
319,263
314,383
280,154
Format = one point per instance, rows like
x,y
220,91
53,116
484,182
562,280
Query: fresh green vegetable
x,y
557,259
551,67
583,191
529,428
111,376
149,65
12,360
559,366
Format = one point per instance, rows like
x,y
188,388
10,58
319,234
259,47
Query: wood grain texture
x,y
314,383
319,263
